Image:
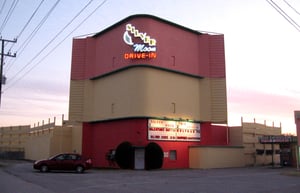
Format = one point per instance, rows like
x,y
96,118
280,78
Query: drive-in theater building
x,y
151,94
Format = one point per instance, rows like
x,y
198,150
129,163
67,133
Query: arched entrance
x,y
153,156
130,157
125,155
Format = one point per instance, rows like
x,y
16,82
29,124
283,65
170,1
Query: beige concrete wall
x,y
251,134
260,129
235,136
145,91
218,100
248,135
61,141
13,138
76,99
267,159
38,145
76,137
47,140
216,157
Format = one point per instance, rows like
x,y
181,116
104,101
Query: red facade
x,y
181,50
99,138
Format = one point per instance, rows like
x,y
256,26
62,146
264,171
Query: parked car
x,y
65,161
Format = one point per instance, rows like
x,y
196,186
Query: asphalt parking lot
x,y
18,176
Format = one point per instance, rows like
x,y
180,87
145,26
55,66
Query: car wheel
x,y
44,168
79,169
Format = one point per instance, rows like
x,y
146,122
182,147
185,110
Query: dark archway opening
x,y
153,156
125,155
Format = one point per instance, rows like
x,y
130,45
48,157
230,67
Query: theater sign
x,y
173,130
143,45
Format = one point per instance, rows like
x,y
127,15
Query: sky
x,y
261,53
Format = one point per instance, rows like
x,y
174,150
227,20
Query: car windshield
x,y
52,157
65,156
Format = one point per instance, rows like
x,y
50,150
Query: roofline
x,y
146,16
141,117
145,66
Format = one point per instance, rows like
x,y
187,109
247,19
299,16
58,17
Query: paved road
x,y
20,177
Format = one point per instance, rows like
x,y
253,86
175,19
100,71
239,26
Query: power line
x,y
284,14
291,7
34,32
13,83
23,29
2,7
39,53
10,11
46,46
25,26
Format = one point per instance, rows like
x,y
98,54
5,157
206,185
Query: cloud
x,y
34,101
263,106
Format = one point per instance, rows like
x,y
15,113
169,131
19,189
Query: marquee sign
x,y
173,130
143,46
277,139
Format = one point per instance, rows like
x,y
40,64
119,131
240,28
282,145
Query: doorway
x,y
153,156
131,157
124,155
139,158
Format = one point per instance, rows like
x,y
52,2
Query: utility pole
x,y
2,61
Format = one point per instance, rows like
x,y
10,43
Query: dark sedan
x,y
65,161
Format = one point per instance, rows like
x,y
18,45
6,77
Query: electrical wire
x,y
284,14
29,20
39,53
10,11
21,49
2,7
34,32
23,29
291,7
47,45
54,48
